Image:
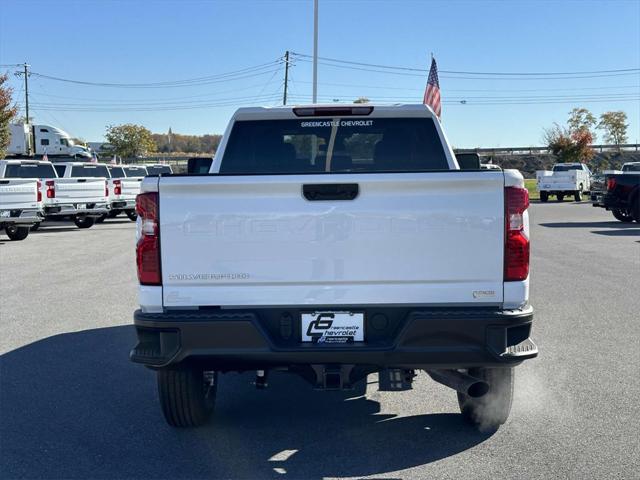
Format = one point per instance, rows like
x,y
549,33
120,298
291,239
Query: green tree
x,y
130,140
8,111
569,146
361,100
614,125
581,119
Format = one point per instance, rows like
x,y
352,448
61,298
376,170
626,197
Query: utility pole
x,y
315,51
286,76
26,88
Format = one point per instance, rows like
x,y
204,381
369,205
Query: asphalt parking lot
x,y
73,406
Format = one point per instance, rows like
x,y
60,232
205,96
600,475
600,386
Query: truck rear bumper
x,y
129,204
398,337
21,216
613,202
89,209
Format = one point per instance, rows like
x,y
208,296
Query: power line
x,y
460,77
423,70
247,72
360,86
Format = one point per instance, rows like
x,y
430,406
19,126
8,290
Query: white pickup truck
x,y
20,198
334,242
124,187
81,191
566,179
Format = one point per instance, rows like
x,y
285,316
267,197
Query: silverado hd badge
x,y
333,327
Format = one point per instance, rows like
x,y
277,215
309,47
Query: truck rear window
x,y
566,168
136,171
317,145
26,170
158,169
90,171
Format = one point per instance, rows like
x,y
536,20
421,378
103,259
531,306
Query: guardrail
x,y
181,160
627,147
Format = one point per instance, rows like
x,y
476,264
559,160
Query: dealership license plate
x,y
332,327
81,206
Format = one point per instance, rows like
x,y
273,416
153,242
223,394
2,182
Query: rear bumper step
x,y
425,338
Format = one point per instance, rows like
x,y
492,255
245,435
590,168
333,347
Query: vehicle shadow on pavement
x,y
612,224
73,406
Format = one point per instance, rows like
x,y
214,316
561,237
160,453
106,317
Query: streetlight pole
x,y
315,51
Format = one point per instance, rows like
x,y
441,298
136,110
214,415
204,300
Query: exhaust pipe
x,y
460,382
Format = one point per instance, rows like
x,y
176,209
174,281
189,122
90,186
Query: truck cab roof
x,y
333,110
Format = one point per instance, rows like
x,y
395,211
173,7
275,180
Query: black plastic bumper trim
x,y
428,338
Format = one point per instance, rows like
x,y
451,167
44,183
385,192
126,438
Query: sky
x,y
235,48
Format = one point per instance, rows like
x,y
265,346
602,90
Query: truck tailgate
x,y
86,190
130,187
18,193
411,238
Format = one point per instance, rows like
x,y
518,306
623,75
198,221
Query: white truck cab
x,y
565,179
30,140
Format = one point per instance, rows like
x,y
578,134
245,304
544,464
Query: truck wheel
x,y
133,216
17,233
544,196
622,215
488,412
560,197
187,395
83,221
35,227
113,213
577,196
101,218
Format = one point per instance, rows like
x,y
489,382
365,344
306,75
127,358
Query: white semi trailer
x,y
28,140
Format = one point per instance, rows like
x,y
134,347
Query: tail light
x,y
117,187
51,188
516,249
148,246
39,194
106,188
611,183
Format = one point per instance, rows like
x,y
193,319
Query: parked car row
x,y
619,192
32,191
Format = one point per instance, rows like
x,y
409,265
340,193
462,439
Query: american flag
x,y
45,157
432,92
94,157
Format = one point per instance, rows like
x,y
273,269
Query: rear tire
x,y
577,196
17,233
113,213
35,227
560,197
622,215
488,412
186,398
635,208
544,196
133,216
84,222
